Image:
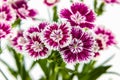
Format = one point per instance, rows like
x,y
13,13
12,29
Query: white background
x,y
111,20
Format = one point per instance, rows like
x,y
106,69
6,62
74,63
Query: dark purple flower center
x,y
77,18
76,46
56,35
37,47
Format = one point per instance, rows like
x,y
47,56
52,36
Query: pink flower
x,y
104,37
50,2
36,29
79,15
80,48
7,14
35,47
56,36
112,1
19,40
4,30
21,8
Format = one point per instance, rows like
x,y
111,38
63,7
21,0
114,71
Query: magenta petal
x,y
32,13
4,30
80,48
90,16
65,13
82,8
88,25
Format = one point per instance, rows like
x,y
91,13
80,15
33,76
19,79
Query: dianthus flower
x,y
21,8
35,47
19,40
4,30
7,14
80,48
104,37
56,36
79,15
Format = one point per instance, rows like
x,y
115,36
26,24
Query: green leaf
x,y
19,61
24,73
0,50
95,5
65,74
115,73
100,10
88,66
56,58
16,23
43,64
33,64
82,0
76,66
94,74
42,78
12,71
71,1
17,58
55,15
97,72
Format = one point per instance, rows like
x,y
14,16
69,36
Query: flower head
x,y
79,15
21,8
80,48
56,36
36,29
4,30
19,40
50,2
104,37
35,47
7,14
16,4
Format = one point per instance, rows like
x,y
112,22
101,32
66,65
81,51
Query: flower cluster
x,y
10,11
77,39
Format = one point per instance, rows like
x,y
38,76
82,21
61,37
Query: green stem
x,y
55,15
71,1
82,0
43,64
